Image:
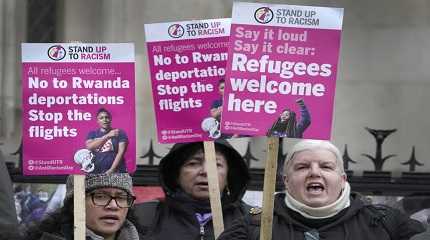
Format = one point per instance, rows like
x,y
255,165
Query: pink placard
x,y
282,70
74,95
187,64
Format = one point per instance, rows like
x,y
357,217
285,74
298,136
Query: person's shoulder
x,y
255,216
421,236
216,103
247,208
9,231
51,236
245,227
383,212
93,133
239,230
252,214
395,222
145,206
381,208
122,134
146,212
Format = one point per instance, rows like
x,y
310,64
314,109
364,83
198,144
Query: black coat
x,y
357,222
65,233
172,221
7,203
8,218
59,226
174,218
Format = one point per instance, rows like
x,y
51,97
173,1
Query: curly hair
x,y
288,126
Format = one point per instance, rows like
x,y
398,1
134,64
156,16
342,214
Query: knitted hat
x,y
94,181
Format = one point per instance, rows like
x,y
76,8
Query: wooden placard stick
x,y
269,188
214,192
79,207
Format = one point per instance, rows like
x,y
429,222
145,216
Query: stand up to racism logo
x,y
176,31
263,15
56,52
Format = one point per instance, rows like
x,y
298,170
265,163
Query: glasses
x,y
312,235
103,199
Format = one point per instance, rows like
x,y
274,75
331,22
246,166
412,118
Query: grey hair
x,y
314,145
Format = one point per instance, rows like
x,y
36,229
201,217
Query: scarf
x,y
320,212
203,218
126,232
187,203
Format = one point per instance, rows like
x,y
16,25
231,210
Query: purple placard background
x,y
322,48
45,156
185,125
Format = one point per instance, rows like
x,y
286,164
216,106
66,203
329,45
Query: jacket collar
x,y
127,232
281,210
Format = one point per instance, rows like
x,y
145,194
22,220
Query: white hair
x,y
314,145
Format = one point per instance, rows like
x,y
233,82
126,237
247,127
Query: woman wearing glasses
x,y
108,214
318,204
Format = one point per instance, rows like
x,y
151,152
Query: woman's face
x,y
104,120
313,178
193,177
221,88
106,220
285,115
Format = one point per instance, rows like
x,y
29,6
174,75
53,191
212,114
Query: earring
x,y
228,191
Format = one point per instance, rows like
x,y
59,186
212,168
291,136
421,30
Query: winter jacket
x,y
65,232
7,203
175,217
8,218
127,232
357,222
422,236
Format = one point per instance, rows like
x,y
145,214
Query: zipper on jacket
x,y
202,232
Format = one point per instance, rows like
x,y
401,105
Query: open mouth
x,y
315,187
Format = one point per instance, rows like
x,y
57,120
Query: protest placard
x,y
78,108
187,63
281,80
78,113
282,70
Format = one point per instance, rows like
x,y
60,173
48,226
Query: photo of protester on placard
x,y
286,124
212,124
107,146
216,107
